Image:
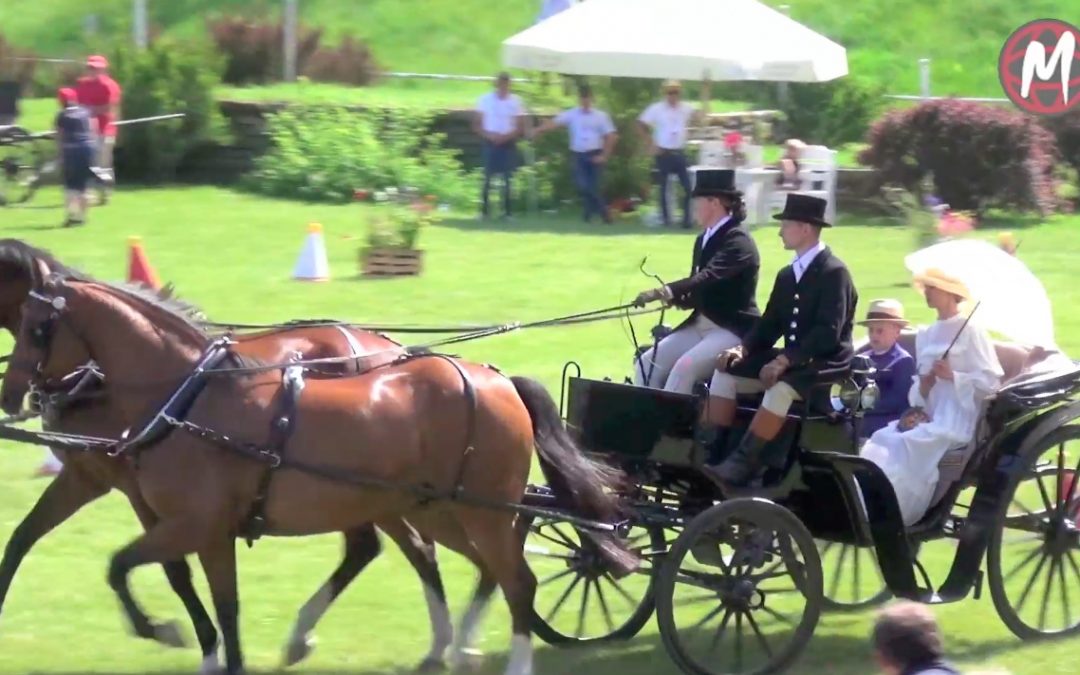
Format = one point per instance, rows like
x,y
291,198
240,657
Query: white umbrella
x,y
684,39
1012,301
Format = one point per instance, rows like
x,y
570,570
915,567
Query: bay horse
x,y
87,476
457,439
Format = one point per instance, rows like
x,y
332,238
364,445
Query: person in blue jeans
x,y
592,140
76,136
664,126
499,122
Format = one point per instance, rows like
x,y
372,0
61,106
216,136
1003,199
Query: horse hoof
x,y
467,660
298,650
168,634
431,665
211,665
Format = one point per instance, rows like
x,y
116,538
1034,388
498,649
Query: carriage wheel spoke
x,y
1060,480
557,542
619,589
1073,565
1064,592
1024,563
581,612
708,617
738,641
760,636
562,599
566,540
604,606
855,586
555,577
834,585
1030,584
777,615
1044,493
719,634
1046,593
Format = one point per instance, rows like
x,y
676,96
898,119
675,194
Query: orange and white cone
x,y
312,264
139,268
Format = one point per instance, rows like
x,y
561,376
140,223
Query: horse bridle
x,y
42,394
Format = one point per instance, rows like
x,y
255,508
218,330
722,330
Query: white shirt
x,y
499,115
712,230
669,123
587,128
803,261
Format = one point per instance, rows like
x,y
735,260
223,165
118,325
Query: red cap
x,y
97,61
67,95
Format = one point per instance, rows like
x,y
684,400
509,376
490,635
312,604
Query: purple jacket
x,y
895,370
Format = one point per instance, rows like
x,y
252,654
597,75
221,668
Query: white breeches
x,y
686,356
778,398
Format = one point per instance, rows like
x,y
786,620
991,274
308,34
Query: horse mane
x,y
187,315
19,260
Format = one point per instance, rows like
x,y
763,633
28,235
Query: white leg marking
x,y
442,628
300,643
466,635
521,656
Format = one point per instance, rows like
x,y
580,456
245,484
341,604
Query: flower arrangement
x,y
733,141
399,216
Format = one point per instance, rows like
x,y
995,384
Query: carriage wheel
x,y
21,160
577,599
852,577
740,591
1034,553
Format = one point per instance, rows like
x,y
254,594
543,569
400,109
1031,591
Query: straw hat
x,y
938,279
885,311
795,143
671,84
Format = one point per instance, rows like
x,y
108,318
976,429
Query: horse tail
x,y
579,482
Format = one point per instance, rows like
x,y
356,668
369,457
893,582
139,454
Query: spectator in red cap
x,y
101,95
76,138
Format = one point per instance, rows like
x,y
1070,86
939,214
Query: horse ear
x,y
42,273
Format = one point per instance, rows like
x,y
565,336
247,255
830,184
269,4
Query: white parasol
x,y
1012,301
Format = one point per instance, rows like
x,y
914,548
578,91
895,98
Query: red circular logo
x,y
1039,67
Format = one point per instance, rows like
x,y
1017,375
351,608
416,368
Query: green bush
x,y
326,153
820,113
165,78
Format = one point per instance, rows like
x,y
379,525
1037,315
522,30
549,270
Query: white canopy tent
x,y
705,40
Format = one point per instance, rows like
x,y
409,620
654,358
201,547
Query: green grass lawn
x,y
233,255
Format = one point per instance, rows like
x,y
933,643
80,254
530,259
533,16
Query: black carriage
x,y
738,582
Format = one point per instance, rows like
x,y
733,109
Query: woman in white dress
x,y
946,396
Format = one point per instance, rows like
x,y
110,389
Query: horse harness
x,y
173,413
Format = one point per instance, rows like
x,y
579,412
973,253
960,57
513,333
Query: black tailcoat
x,y
723,280
813,316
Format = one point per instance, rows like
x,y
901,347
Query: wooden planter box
x,y
391,262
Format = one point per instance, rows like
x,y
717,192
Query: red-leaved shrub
x,y
1066,128
980,156
254,52
351,62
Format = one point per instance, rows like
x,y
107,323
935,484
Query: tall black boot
x,y
744,465
718,446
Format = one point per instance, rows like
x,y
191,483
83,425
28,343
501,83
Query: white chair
x,y
754,156
712,153
817,172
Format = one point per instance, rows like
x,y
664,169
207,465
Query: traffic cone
x,y
312,264
139,268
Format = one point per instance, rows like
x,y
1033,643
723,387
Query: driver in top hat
x,y
720,290
812,308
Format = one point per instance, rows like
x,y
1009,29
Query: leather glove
x,y
646,297
728,358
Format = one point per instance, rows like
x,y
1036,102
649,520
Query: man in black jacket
x,y
812,307
720,290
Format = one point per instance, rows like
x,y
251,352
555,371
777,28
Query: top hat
x,y
804,209
885,311
97,61
715,183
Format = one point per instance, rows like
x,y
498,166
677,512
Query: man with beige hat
x,y
663,126
895,366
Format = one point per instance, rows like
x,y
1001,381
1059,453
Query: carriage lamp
x,y
868,399
843,396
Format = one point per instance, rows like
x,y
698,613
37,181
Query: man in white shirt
x,y
592,140
663,125
499,121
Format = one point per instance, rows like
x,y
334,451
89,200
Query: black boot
x,y
743,466
718,446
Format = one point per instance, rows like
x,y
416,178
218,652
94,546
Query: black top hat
x,y
804,209
715,183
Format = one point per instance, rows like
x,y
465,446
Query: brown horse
x,y
460,432
87,476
